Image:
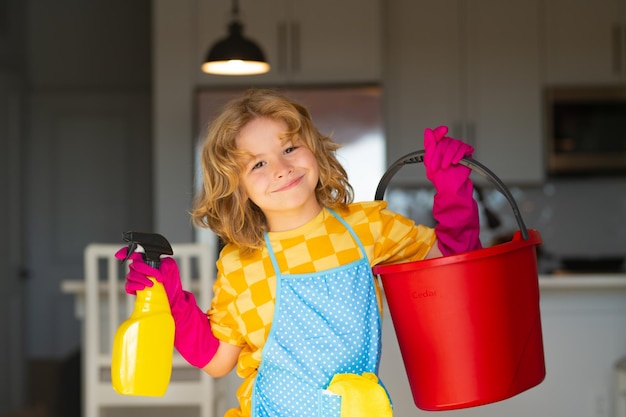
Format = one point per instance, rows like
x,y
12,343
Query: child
x,y
296,308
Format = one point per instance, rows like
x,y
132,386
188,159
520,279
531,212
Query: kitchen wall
x,y
75,97
583,217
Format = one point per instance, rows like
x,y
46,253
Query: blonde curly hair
x,y
221,203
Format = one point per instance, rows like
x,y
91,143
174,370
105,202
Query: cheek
x,y
310,160
315,167
253,185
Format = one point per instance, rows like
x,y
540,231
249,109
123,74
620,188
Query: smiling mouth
x,y
291,184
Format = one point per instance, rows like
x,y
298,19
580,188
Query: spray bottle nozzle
x,y
153,244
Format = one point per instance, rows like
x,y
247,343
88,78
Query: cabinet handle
x,y
623,49
617,48
295,47
282,47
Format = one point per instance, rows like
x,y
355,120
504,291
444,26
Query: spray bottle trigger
x,y
132,246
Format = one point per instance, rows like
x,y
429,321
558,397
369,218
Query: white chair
x,y
107,305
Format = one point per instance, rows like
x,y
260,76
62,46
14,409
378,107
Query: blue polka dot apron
x,y
325,323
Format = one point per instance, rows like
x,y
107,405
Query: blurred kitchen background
x,y
103,105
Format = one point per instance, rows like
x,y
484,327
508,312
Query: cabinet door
x,y
473,67
338,41
585,41
503,88
305,41
423,73
12,300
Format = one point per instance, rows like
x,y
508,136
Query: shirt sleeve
x,y
222,320
223,314
397,238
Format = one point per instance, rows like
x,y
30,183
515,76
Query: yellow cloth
x,y
245,290
361,395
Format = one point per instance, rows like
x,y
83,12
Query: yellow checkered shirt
x,y
245,291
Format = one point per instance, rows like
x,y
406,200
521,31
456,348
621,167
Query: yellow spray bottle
x,y
143,345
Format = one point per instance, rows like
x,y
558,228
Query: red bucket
x,y
468,325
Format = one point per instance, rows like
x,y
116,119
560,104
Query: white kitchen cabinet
x,y
473,66
306,42
585,41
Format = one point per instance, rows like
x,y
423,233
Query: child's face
x,y
280,178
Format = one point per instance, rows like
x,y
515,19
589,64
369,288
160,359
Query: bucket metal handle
x,y
474,165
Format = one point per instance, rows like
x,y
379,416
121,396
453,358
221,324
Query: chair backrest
x,y
107,305
105,277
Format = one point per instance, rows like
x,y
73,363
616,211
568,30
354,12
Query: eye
x,y
258,165
291,148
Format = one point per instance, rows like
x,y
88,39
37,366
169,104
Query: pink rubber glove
x,y
454,208
194,339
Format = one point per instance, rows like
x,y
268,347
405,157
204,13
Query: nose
x,y
282,168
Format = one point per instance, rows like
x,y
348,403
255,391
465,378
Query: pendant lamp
x,y
235,54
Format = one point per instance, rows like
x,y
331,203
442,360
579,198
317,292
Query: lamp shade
x,y
235,55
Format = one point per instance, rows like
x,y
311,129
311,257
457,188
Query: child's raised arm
x,y
454,207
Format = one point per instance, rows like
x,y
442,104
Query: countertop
x,y
583,281
566,281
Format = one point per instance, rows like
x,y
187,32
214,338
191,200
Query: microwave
x,y
586,130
